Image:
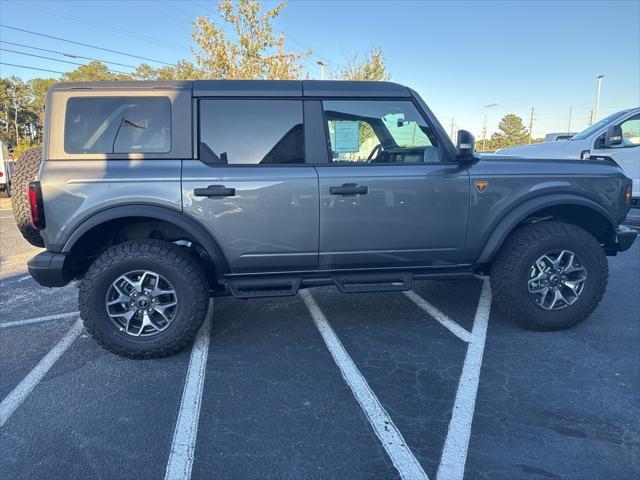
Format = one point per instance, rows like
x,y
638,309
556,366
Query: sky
x,y
459,55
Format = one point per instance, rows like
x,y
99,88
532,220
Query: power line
x,y
32,68
111,28
51,58
85,44
70,55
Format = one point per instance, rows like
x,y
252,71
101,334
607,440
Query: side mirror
x,y
465,146
613,136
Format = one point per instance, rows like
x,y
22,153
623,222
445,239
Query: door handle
x,y
349,189
215,191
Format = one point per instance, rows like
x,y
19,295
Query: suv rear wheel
x,y
549,275
144,299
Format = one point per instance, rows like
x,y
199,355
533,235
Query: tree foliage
x,y
254,53
511,132
372,67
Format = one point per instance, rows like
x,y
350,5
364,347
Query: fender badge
x,y
481,185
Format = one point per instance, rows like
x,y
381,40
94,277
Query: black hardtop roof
x,y
252,88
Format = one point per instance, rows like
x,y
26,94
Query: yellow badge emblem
x,y
481,185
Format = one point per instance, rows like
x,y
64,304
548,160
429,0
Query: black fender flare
x,y
179,219
511,220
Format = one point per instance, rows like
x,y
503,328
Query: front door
x,y
388,198
627,154
252,189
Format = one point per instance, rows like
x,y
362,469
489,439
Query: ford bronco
x,y
158,195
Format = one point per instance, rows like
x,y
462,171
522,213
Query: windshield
x,y
597,126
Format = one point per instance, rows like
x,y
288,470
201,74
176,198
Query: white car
x,y
616,136
5,170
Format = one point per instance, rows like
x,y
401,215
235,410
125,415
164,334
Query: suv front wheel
x,y
549,275
144,299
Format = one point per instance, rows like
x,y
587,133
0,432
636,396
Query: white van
x,y
623,126
6,165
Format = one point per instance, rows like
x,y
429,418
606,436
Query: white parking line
x,y
47,318
184,436
454,454
444,320
28,383
403,459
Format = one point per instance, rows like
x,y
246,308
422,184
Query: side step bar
x,y
380,282
264,287
283,285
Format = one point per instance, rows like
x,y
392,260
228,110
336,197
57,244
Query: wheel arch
x,y
573,209
141,213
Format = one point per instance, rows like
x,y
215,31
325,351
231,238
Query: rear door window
x,y
114,125
251,132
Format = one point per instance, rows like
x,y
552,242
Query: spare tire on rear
x,y
25,170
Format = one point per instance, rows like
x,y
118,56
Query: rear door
x,y
389,197
251,187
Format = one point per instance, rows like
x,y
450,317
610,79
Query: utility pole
x,y
451,135
321,69
569,126
531,124
590,119
594,114
484,132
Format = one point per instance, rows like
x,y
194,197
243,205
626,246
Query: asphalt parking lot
x,y
436,383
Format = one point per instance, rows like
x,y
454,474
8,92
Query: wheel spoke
x,y
146,276
122,297
544,263
539,289
162,308
565,258
134,285
126,314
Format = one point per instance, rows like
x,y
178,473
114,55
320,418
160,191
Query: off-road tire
x,y
25,170
174,263
510,272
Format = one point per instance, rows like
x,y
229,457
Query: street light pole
x,y
484,125
321,69
594,117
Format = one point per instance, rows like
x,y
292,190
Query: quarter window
x,y
631,132
251,132
118,125
378,131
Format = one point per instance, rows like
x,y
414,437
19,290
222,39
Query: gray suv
x,y
159,195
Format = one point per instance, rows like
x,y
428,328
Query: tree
x,y
511,132
93,71
256,53
38,88
182,70
371,68
18,97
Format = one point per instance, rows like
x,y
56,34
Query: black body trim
x,y
621,240
50,269
178,218
506,225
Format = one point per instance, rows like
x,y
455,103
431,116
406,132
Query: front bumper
x,y
621,240
50,269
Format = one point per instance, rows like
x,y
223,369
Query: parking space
x,y
324,385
